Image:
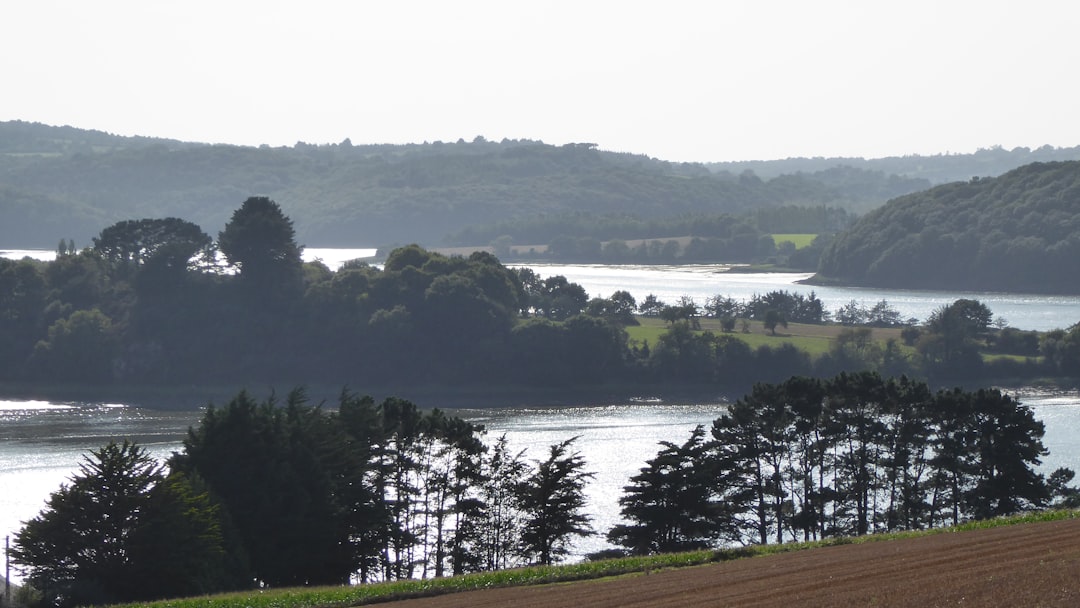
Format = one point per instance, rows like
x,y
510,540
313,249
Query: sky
x,y
675,80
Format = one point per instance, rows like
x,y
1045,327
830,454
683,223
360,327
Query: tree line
x,y
73,183
158,301
856,454
284,493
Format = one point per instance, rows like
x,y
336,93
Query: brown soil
x,y
1024,565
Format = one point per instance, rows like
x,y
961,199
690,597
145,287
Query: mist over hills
x,y
64,182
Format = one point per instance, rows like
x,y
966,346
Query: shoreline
x,y
181,397
187,397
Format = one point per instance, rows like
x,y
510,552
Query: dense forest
x,y
278,493
1018,232
61,182
937,169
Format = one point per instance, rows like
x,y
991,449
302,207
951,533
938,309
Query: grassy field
x,y
814,339
799,240
328,597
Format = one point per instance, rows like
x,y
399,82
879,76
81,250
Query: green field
x,y
814,339
800,240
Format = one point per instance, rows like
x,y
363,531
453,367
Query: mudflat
x,y
1034,564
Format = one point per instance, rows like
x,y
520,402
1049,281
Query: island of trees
x,y
159,302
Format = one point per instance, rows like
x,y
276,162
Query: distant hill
x,y
1018,232
936,169
64,182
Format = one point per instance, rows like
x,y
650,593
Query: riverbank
x,y
188,397
177,397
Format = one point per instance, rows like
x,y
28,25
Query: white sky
x,y
685,81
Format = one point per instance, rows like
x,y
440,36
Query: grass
x,y
991,357
328,597
814,339
799,240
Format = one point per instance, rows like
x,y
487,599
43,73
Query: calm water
x,y
41,443
700,282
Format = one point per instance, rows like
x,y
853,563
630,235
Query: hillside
x,y
1024,565
1018,232
936,169
63,182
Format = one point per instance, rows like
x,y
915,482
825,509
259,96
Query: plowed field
x,y
1023,565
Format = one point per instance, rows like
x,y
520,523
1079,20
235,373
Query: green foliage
x,y
672,503
857,454
1016,232
123,531
261,242
552,501
284,476
167,243
75,183
79,348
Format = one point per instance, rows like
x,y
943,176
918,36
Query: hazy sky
x,y
693,81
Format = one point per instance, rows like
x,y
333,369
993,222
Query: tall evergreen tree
x,y
122,531
552,499
672,502
260,240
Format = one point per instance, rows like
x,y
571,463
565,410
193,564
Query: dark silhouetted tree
x,y
552,499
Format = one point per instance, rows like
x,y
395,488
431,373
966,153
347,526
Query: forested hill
x,y
64,182
937,169
1017,232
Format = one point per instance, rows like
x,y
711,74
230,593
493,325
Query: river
x,y
700,282
41,443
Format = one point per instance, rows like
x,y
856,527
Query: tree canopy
x,y
61,182
1018,232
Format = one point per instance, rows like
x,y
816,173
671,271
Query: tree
x,y
179,548
559,299
619,307
22,302
651,306
722,307
503,473
1007,446
288,481
671,503
851,313
174,242
552,499
883,315
75,551
79,348
122,531
954,331
260,241
773,318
